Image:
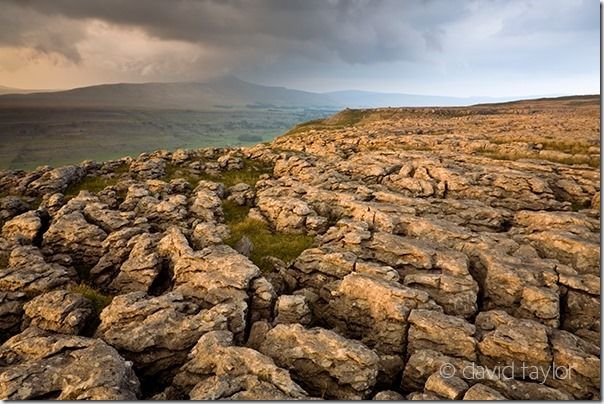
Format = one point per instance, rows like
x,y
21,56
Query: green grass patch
x,y
122,169
98,299
568,146
249,174
285,246
173,171
233,213
343,119
92,184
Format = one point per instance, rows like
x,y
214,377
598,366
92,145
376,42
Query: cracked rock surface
x,y
444,244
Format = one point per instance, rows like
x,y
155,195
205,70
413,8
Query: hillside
x,y
224,92
10,90
384,254
228,91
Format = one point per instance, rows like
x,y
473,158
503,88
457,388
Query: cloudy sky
x,y
440,47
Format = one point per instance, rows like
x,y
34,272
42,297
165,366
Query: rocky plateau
x,y
383,254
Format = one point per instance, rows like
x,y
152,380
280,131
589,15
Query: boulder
x,y
322,362
27,272
156,333
39,365
439,332
505,340
215,369
24,228
71,234
375,311
11,313
58,311
141,268
292,309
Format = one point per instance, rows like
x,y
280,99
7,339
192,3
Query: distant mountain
x,y
10,90
368,99
227,92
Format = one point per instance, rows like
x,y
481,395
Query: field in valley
x,y
34,136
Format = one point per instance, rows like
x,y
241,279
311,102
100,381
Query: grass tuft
x,y
92,184
285,246
99,300
249,174
173,171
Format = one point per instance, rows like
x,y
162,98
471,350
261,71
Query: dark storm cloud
x,y
354,31
464,47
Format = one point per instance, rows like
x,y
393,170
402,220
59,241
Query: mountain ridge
x,y
227,91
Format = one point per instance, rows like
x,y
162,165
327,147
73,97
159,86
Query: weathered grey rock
x,y
11,313
442,333
116,250
291,215
452,388
505,340
422,364
56,180
11,206
148,168
425,396
206,234
581,253
323,362
156,333
480,392
141,268
526,287
107,219
244,246
216,369
262,299
206,205
577,365
375,311
38,365
71,234
388,395
214,274
292,309
24,228
582,312
241,194
28,272
165,212
58,311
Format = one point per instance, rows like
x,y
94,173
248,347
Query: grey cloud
x,y
355,31
24,27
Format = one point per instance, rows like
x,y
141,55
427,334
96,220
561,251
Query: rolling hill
x,y
226,92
